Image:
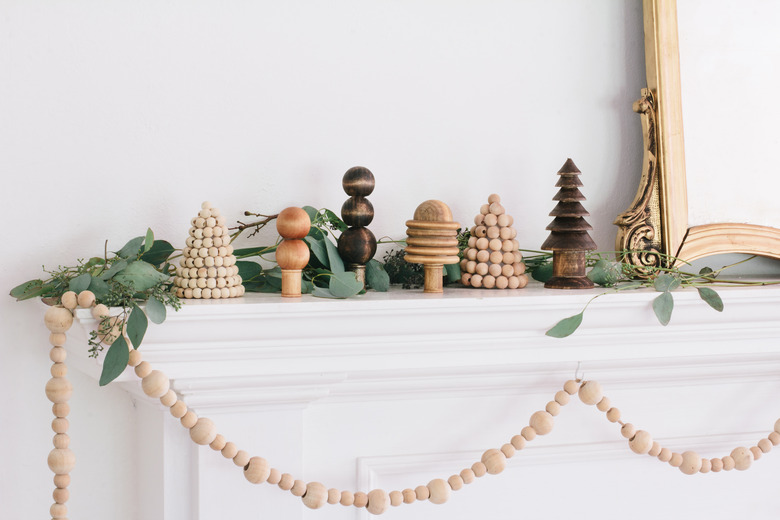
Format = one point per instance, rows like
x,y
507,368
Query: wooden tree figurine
x,y
569,238
431,235
292,254
357,245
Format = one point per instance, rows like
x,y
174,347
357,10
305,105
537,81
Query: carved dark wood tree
x,y
569,238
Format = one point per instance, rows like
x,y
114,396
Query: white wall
x,y
115,116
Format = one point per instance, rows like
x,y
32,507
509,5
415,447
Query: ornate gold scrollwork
x,y
639,227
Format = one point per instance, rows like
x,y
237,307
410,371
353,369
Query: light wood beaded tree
x,y
492,258
208,267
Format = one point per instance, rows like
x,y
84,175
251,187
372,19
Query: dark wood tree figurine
x,y
569,238
357,245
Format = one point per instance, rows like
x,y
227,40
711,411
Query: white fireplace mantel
x,y
392,389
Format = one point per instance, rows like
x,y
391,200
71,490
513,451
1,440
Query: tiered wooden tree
x,y
569,238
432,241
357,245
492,258
207,268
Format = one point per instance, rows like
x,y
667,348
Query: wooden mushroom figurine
x,y
432,241
292,254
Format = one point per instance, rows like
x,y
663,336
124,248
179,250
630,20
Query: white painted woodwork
x,y
392,390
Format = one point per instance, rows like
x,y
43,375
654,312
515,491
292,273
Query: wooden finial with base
x,y
292,254
357,245
569,238
429,243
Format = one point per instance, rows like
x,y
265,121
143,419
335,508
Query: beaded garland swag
x,y
257,470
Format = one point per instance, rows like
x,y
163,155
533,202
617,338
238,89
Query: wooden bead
x,y
562,397
347,498
455,482
218,443
676,460
204,431
409,496
178,409
99,311
774,438
529,433
334,495
508,450
494,270
61,461
777,426
505,220
507,269
467,475
60,425
156,384
59,370
655,449
58,511
60,495
706,466
488,282
743,458
590,392
542,422
69,300
189,419
604,404
728,463
571,387
479,469
143,369
484,209
440,490
286,482
494,461
502,282
665,455
60,409
476,281
241,458
518,441
315,496
86,299
134,358
492,232
62,481
57,339
496,209
641,442
169,399
396,498
690,462
482,270
422,492
292,223
61,441
361,499
465,279
257,470
613,415
58,319
59,390
765,445
478,220
756,451
274,477
522,281
627,430
378,501
490,221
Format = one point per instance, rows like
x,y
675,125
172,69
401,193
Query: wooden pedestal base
x,y
569,271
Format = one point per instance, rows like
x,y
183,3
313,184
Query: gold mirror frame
x,y
656,224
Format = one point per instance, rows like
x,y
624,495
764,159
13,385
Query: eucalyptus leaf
x,y
565,327
543,272
711,297
376,276
115,362
335,221
319,249
80,283
334,259
149,240
344,285
132,248
158,253
254,251
705,271
28,290
666,282
605,273
663,305
248,270
276,272
114,269
321,292
306,287
316,233
452,271
136,326
312,212
141,275
156,311
98,287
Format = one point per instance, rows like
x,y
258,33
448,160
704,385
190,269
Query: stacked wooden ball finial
x,y
432,241
357,245
207,268
492,258
292,255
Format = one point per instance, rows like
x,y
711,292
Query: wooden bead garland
x,y
497,253
207,269
432,241
61,459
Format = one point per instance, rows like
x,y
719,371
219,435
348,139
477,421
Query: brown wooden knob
x,y
293,223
